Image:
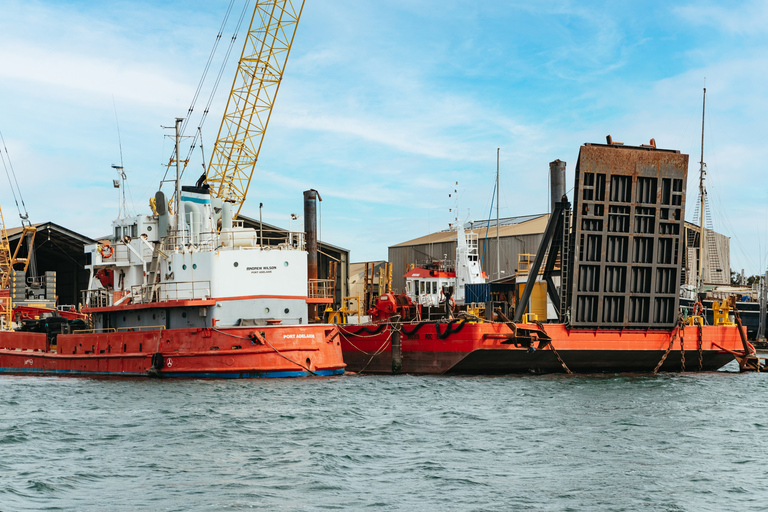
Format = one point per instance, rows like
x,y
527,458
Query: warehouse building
x,y
522,235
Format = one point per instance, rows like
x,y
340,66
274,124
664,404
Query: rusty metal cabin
x,y
628,237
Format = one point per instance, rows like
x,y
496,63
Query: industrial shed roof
x,y
529,225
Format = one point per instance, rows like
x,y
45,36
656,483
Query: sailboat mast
x,y
702,195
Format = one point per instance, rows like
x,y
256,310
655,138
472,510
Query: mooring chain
x,y
540,325
682,349
565,367
701,351
669,348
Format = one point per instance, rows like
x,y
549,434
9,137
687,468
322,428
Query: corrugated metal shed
x,y
60,250
522,237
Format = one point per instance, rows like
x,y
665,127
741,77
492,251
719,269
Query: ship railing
x,y
279,239
90,331
321,288
205,241
99,298
142,294
525,262
141,328
164,292
120,329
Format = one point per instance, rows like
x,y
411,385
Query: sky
x,y
387,107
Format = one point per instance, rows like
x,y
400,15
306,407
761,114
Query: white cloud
x,y
745,18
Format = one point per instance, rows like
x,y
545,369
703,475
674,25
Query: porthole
x,y
236,263
169,268
149,228
138,317
286,310
266,310
184,314
183,267
194,266
123,319
285,263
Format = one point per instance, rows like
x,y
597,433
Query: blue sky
x,y
386,105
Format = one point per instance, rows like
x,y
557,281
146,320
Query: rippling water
x,y
691,442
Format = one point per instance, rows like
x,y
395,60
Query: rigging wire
x,y
122,167
119,139
25,215
717,204
488,225
198,134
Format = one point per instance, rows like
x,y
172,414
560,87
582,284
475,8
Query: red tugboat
x,y
191,292
617,304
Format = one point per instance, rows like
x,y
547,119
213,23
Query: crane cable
x,y
215,85
25,215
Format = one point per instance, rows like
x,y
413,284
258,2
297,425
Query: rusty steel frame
x,y
627,237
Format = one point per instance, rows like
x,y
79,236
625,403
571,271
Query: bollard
x,y
397,354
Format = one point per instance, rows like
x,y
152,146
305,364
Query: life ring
x,y
106,250
441,295
698,309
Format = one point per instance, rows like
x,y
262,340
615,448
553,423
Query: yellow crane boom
x,y
6,267
249,107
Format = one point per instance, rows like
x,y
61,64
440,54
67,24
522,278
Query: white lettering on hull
x,y
296,336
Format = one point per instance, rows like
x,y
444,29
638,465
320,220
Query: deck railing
x,y
142,294
163,292
321,288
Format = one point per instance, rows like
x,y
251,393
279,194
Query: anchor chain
x,y
552,347
682,349
565,367
701,351
669,348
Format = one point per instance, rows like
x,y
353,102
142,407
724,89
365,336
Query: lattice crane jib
x,y
249,107
6,268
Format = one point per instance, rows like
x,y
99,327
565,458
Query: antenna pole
x,y
179,213
498,247
702,194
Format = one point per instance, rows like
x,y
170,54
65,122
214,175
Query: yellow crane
x,y
249,107
6,268
8,262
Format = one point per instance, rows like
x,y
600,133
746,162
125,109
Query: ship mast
x,y
498,247
702,195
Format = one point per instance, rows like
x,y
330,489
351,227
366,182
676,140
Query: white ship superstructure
x,y
221,278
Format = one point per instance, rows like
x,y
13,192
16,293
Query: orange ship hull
x,y
493,348
270,351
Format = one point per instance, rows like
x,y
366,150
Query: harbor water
x,y
672,442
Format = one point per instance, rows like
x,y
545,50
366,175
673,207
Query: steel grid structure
x,y
628,236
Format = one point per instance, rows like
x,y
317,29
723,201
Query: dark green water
x,y
693,442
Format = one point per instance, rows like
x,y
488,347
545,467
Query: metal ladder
x,y
565,253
